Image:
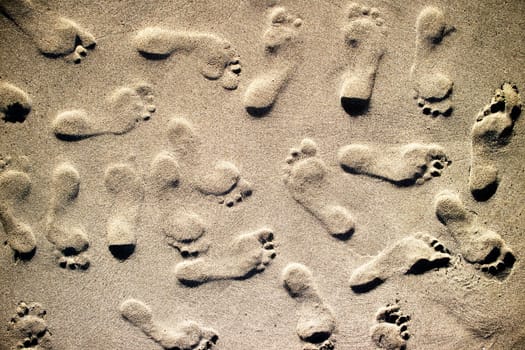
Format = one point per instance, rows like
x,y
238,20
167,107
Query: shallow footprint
x,y
279,41
15,104
15,186
400,165
390,332
125,186
29,326
478,245
305,178
415,254
218,59
491,131
125,108
184,232
365,34
187,335
70,240
248,254
432,87
316,322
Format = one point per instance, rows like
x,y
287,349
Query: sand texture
x,y
262,174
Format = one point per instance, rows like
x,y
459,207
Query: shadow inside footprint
x,y
122,252
424,265
355,106
16,113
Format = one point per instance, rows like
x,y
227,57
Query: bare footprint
x,y
184,232
491,131
218,60
478,245
15,186
187,335
70,240
29,326
316,322
55,36
366,35
432,87
305,178
15,104
279,41
400,165
415,254
391,330
222,179
248,254
125,108
125,186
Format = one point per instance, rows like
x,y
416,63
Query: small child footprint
x,y
184,232
15,104
390,332
305,177
366,34
29,326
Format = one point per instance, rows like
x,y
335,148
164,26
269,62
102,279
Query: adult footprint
x,y
187,335
306,179
55,36
248,254
366,35
391,330
218,60
400,165
415,254
69,239
432,87
15,104
491,131
125,186
478,245
279,41
316,322
125,108
30,328
15,186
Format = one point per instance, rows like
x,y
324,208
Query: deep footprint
x,y
248,254
400,165
478,245
15,104
365,35
125,186
391,330
30,328
415,254
217,58
279,41
69,239
316,322
491,131
187,335
125,108
433,88
305,178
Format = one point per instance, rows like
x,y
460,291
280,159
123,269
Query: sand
x,y
262,174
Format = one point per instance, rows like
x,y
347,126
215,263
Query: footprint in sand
x,y
15,186
415,254
184,232
223,181
491,131
55,36
15,104
433,88
306,179
69,239
364,34
478,245
400,165
29,326
125,186
187,335
316,323
217,58
279,41
248,254
391,330
125,108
